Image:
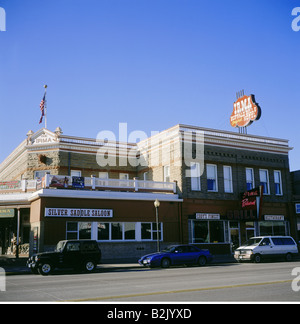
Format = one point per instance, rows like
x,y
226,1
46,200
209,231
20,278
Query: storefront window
x,y
103,231
272,228
208,231
85,231
149,231
129,231
78,230
116,231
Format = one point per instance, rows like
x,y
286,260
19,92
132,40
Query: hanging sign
x,y
245,111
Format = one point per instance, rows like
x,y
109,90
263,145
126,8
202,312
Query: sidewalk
x,y
13,266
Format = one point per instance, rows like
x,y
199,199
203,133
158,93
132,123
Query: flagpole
x,y
45,86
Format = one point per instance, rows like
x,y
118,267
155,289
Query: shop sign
x,y
78,212
245,111
7,213
9,185
249,200
274,218
204,216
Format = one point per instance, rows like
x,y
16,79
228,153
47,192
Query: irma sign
x,y
245,111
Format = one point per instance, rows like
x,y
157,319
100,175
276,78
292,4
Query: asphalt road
x,y
246,282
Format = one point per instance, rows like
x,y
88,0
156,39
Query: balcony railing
x,y
86,183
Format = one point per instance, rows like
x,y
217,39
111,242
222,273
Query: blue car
x,y
177,255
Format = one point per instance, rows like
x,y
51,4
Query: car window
x,y
73,246
182,249
265,242
277,241
89,247
288,241
193,249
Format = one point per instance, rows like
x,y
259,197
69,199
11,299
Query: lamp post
x,y
156,205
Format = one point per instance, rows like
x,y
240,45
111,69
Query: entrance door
x,y
235,238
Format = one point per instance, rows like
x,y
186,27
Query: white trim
x,y
51,193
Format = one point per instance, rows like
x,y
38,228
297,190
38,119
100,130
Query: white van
x,y
263,247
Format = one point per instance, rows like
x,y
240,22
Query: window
x,y
277,182
72,230
207,231
40,174
149,231
79,230
227,179
116,231
249,179
272,228
124,176
73,246
212,184
103,231
264,181
166,173
75,173
103,175
195,176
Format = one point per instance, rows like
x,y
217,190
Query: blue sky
x,y
149,63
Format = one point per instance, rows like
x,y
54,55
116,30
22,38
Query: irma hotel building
x,y
55,187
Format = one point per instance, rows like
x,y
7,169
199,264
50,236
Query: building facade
x,y
215,189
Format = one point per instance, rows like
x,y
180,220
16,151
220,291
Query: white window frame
x,y
215,176
250,180
195,176
42,174
266,188
75,173
124,176
103,175
280,182
228,181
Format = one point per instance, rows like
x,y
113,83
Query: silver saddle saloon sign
x,y
78,212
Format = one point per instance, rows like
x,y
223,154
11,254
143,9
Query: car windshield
x,y
253,241
60,246
170,248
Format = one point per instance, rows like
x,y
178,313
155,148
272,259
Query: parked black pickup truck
x,y
77,254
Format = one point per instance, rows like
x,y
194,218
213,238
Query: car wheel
x,y
257,258
289,257
89,266
165,263
202,261
45,269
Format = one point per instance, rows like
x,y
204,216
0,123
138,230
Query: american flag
x,y
42,107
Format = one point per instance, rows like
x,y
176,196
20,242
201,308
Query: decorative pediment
x,y
42,137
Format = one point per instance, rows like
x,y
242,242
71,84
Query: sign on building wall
x,y
77,212
7,213
245,111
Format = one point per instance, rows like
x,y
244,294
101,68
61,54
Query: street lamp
x,y
156,205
